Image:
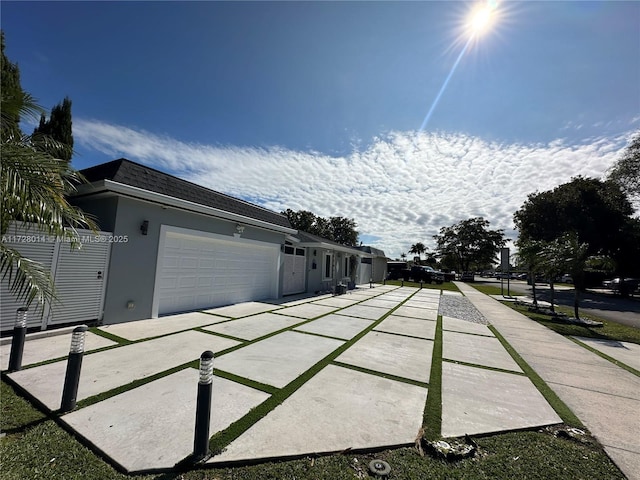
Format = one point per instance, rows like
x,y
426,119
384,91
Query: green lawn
x,y
35,446
609,330
434,286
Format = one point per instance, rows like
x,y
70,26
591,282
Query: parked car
x,y
467,277
623,286
420,273
566,278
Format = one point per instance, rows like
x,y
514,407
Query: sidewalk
x,y
605,397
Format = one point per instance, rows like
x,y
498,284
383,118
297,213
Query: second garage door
x,y
199,270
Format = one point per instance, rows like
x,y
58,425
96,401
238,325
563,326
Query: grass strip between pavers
x,y
110,336
550,396
616,362
263,387
432,416
219,441
375,373
484,367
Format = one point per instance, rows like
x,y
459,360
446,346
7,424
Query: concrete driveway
x,y
352,371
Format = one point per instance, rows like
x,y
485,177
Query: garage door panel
x,y
199,271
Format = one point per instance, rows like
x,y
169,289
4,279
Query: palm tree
x,y
568,254
418,249
529,255
403,256
34,186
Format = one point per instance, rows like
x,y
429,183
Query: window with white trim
x,y
327,272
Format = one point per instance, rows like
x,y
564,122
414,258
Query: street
x,y
608,306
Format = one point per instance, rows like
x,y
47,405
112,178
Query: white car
x,y
566,278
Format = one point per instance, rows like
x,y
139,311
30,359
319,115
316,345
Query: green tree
x,y
418,249
470,242
343,230
34,184
626,171
300,220
11,92
598,212
338,229
58,127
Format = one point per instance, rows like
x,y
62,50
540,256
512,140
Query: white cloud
x,y
401,188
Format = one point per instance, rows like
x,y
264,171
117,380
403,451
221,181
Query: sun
x,y
481,18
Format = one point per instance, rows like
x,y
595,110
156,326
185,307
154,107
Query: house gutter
x,y
142,194
337,248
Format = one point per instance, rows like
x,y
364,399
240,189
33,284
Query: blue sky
x,y
318,105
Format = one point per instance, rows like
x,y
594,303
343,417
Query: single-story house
x,y
177,246
168,245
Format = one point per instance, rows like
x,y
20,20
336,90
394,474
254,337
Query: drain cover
x,y
379,467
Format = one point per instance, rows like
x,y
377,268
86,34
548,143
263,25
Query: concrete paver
x,y
477,349
334,325
477,400
307,310
334,411
393,354
279,359
419,303
456,325
42,349
154,327
625,352
413,327
254,326
243,309
338,302
152,426
363,311
103,371
417,312
380,302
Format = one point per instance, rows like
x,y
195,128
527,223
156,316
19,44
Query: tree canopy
x,y
597,212
58,127
337,229
626,171
470,243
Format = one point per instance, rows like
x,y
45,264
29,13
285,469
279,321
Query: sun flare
x,y
482,18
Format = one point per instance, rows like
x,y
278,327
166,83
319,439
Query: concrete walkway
x,y
366,357
604,396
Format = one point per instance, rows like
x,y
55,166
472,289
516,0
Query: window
x,y
328,260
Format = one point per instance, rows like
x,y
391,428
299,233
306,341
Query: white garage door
x,y
199,270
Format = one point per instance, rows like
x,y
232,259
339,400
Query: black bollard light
x,y
371,283
17,341
74,365
203,408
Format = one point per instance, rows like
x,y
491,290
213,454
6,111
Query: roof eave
x,y
142,194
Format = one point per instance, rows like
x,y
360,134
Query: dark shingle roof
x,y
133,174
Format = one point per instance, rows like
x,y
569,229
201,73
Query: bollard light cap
x,y
77,339
206,367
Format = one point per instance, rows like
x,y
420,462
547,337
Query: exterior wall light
x,y
240,228
144,227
